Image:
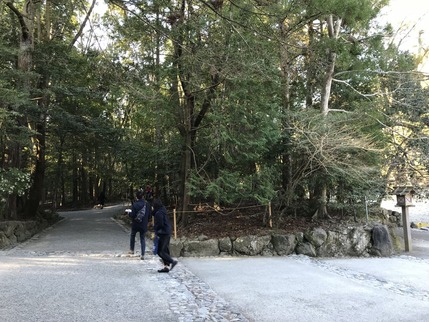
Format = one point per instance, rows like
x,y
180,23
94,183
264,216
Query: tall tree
x,y
41,26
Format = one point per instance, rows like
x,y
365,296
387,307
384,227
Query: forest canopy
x,y
304,104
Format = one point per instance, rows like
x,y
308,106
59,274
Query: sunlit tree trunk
x,y
333,32
310,67
333,27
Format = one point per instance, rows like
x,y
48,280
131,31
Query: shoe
x,y
173,264
142,258
164,270
130,252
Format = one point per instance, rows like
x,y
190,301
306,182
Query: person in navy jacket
x,y
162,229
139,227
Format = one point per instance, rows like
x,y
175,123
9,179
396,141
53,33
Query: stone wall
x,y
375,240
14,232
370,240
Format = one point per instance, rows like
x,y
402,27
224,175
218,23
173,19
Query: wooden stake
x,y
407,230
270,222
174,223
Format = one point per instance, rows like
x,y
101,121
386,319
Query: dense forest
x,y
305,104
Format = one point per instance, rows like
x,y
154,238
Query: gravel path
x,y
78,270
418,213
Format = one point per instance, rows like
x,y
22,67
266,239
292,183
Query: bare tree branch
x,y
24,28
82,26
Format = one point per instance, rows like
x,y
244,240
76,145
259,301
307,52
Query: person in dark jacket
x,y
102,199
162,229
148,197
148,193
138,227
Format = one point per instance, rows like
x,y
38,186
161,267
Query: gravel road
x,y
418,213
78,270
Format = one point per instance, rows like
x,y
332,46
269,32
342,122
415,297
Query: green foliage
x,y
234,187
13,181
236,85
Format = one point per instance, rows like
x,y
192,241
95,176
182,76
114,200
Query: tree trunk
x,y
84,190
327,83
38,176
189,118
186,168
25,65
287,170
333,32
58,177
310,66
75,181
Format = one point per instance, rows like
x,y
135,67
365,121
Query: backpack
x,y
140,214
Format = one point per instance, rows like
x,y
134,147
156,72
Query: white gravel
x,y
418,213
77,271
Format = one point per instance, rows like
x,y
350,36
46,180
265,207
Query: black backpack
x,y
140,214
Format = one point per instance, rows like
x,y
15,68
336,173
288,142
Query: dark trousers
x,y
164,250
134,231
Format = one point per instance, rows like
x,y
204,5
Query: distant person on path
x,y
149,196
138,227
102,199
162,229
149,193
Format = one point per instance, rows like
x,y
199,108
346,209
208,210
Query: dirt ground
x,y
218,224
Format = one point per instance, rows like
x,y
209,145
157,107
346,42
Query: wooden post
x,y
174,223
404,199
270,219
407,230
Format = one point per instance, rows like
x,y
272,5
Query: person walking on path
x,y
137,226
148,194
162,229
102,199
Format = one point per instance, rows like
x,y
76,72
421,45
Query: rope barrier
x,y
175,213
